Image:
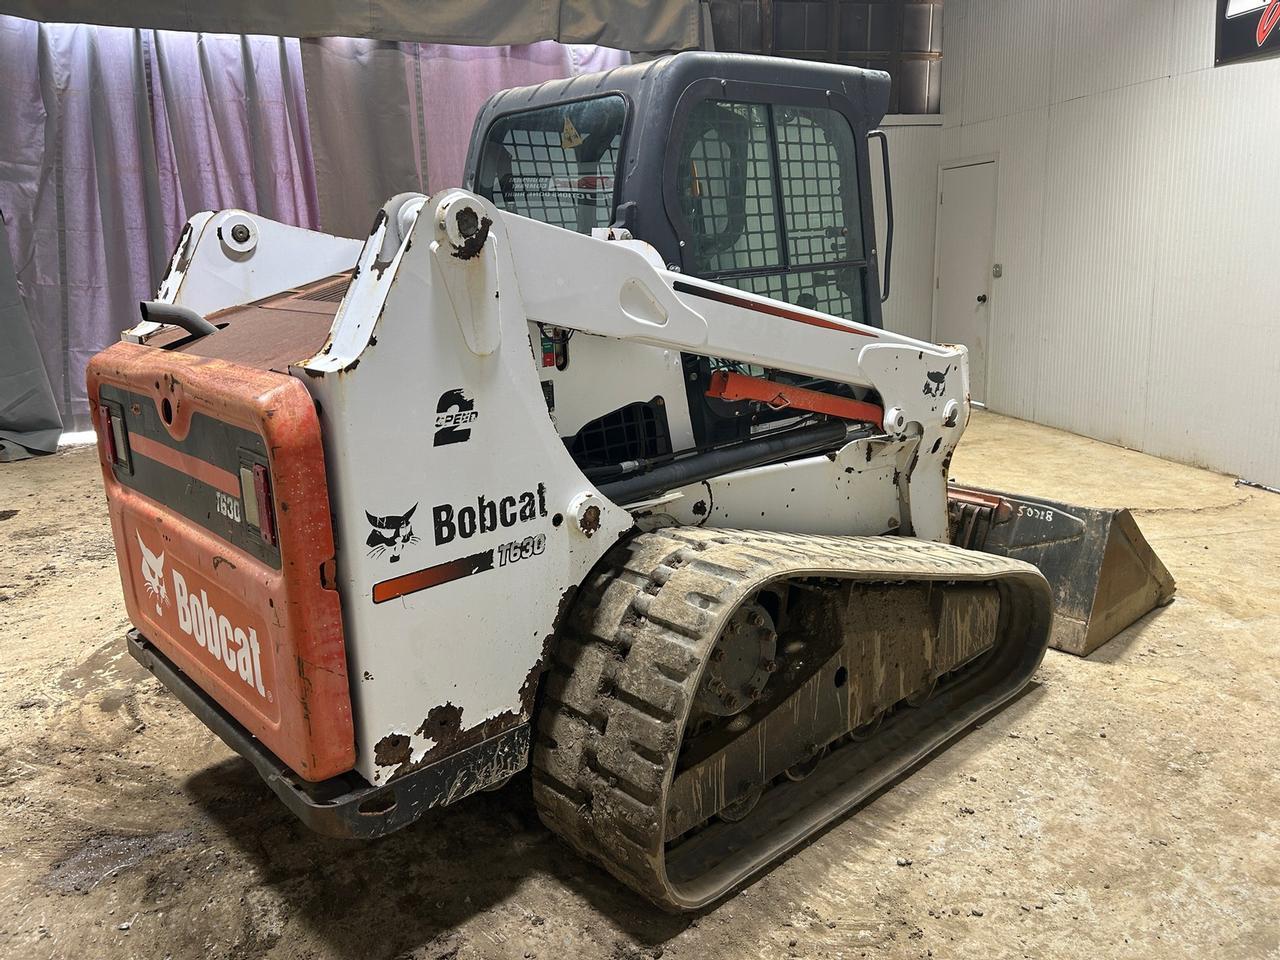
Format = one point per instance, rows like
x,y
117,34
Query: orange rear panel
x,y
258,626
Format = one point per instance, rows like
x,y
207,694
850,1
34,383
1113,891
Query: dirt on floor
x,y
1126,806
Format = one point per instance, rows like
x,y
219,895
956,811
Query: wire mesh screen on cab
x,y
556,164
770,195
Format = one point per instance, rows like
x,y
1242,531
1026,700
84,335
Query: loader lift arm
x,y
923,386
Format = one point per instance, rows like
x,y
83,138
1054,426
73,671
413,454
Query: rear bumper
x,y
346,806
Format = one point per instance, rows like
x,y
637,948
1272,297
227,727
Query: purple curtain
x,y
391,117
109,139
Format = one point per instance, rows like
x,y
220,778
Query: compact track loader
x,y
603,465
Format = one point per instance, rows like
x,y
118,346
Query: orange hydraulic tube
x,y
726,385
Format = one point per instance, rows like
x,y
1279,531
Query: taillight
x,y
255,492
266,512
108,430
115,437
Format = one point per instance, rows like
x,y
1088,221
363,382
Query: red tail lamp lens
x,y
266,509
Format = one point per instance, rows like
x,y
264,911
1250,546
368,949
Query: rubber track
x,y
630,660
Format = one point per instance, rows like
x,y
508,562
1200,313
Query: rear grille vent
x,y
328,291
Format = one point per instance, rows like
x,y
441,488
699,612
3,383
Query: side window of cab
x,y
555,164
770,199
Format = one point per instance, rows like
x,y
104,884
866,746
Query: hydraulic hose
x,y
713,463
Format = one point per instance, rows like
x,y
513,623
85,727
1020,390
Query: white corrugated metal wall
x,y
913,168
1138,222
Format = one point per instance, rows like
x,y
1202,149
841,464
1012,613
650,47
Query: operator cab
x,y
749,171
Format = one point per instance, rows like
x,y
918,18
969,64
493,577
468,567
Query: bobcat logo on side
x,y
936,382
392,532
153,573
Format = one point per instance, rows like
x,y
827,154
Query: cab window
x,y
771,204
555,164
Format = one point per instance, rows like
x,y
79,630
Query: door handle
x,y
982,298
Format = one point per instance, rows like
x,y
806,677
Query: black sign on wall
x,y
1247,30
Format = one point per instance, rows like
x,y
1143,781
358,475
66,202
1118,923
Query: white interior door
x,y
962,288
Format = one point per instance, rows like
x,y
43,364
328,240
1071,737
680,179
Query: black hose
x,y
596,474
703,466
183,317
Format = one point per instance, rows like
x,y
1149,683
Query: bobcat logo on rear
x,y
153,573
235,646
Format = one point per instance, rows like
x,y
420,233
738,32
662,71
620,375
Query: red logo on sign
x,y
213,627
1270,17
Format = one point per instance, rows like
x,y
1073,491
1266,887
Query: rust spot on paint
x,y
443,724
392,750
472,246
589,522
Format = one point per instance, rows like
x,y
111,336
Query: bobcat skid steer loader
x,y
603,465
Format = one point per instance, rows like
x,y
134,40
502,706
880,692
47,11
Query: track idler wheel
x,y
740,663
801,770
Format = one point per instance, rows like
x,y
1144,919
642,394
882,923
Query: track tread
x,y
669,592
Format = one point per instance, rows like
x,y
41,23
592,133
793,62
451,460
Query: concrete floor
x,y
1125,807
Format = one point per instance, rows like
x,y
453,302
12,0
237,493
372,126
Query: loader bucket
x,y
1103,572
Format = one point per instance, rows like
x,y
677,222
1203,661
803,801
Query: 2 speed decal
x,y
454,411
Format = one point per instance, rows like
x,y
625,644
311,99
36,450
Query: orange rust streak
x,y
975,497
202,470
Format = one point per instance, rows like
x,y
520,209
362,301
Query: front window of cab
x,y
556,164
